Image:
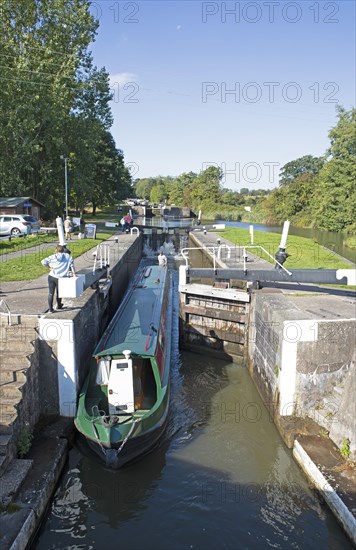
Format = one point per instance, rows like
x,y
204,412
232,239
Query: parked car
x,y
17,224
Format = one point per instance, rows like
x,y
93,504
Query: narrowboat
x,y
123,405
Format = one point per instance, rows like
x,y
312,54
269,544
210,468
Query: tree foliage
x,y
320,192
53,102
343,135
296,168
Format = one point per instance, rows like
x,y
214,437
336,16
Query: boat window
x,y
122,365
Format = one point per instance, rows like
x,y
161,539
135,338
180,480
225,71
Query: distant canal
x,y
221,478
330,239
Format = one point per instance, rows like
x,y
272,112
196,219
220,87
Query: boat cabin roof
x,y
135,324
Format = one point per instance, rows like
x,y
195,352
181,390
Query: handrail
x,y
102,255
211,250
8,312
198,248
224,245
268,254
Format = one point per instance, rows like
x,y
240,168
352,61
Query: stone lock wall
x,y
303,365
326,379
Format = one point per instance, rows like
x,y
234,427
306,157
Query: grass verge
x,y
19,243
28,266
304,253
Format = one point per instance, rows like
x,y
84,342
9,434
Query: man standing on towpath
x,y
60,263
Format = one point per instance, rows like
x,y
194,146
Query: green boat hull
x,y
121,436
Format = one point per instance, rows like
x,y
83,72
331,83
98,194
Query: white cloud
x,y
122,78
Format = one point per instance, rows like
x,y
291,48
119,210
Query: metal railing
x,y
244,255
4,304
210,249
101,256
214,251
226,247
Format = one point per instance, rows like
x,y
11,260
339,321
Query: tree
x,y
143,187
179,188
343,135
296,168
335,195
231,198
111,179
291,201
55,102
158,193
206,188
325,196
44,45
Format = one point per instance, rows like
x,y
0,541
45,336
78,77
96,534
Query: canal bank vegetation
x,y
350,242
303,253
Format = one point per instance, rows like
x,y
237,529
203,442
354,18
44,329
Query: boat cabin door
x,y
120,387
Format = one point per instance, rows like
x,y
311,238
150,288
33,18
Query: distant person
x,y
162,259
60,264
68,228
123,224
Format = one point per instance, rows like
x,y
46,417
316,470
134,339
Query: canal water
x,y
221,478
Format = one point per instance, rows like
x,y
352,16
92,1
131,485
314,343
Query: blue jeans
x,y
53,286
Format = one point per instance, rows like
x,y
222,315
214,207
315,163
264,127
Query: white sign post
x,y
284,234
60,229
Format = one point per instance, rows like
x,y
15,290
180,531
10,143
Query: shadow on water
x,y
220,478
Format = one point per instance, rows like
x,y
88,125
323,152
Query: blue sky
x,y
248,86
